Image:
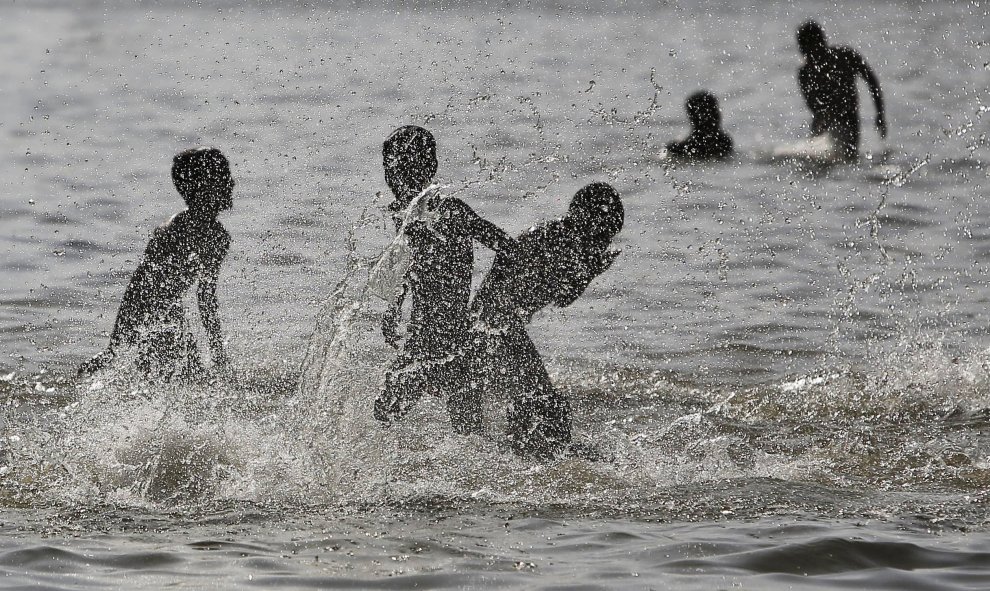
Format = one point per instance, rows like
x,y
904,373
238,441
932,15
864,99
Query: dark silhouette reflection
x,y
189,247
707,140
554,264
828,84
440,231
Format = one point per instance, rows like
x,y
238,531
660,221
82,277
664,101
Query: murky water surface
x,y
787,367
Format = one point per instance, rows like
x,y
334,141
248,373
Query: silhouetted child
x,y
828,84
707,140
188,248
438,232
554,263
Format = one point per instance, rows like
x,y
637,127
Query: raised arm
x,y
864,70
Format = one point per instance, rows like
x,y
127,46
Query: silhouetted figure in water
x,y
188,248
440,231
553,264
707,140
828,84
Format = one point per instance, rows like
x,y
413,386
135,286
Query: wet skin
x,y
552,265
188,248
435,357
828,85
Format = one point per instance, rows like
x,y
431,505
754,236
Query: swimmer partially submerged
x,y
707,140
189,248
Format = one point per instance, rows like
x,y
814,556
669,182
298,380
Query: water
x,y
789,364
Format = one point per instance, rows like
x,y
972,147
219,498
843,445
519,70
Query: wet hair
x,y
597,210
409,156
196,173
702,109
810,35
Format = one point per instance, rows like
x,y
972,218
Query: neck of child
x,y
406,193
201,215
817,54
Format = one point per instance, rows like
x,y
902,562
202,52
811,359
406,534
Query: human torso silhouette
x,y
180,252
517,287
440,276
828,84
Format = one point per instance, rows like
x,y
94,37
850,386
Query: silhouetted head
x,y
409,155
202,176
596,211
702,110
811,38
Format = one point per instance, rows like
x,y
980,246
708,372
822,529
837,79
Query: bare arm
x,y
864,70
206,295
581,278
136,294
484,231
144,290
97,363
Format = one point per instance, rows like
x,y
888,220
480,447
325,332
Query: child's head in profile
x,y
703,112
707,140
409,156
202,176
811,38
596,214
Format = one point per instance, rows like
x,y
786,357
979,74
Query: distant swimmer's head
x,y
596,211
702,109
409,155
202,176
811,38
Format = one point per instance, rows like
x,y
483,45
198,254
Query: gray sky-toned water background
x,y
778,343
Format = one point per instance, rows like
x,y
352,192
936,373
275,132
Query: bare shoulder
x,y
548,240
559,230
551,231
452,205
166,233
848,54
221,233
184,226
171,225
455,213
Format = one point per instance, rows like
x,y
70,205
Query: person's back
x,y
440,277
828,84
707,140
551,266
177,253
